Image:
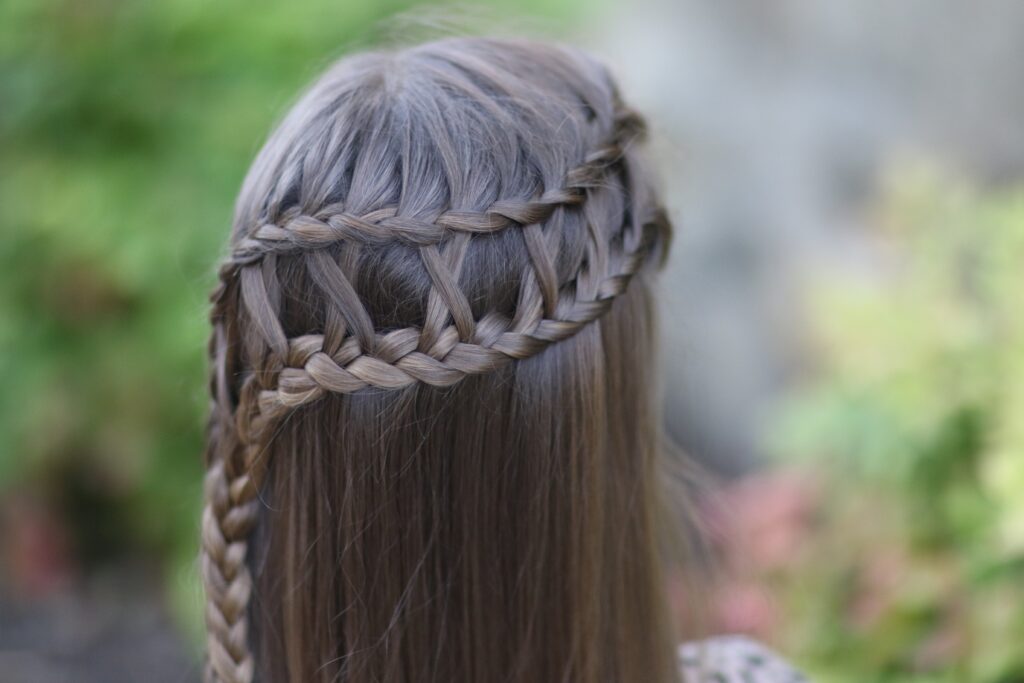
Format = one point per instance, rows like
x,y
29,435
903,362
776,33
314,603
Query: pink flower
x,y
762,521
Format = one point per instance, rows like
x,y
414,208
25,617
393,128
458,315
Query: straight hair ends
x,y
434,450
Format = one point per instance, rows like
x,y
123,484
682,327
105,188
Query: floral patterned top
x,y
734,659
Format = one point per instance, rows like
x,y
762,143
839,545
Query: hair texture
x,y
433,450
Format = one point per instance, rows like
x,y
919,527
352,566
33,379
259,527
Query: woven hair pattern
x,y
351,355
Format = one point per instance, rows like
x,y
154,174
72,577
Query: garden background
x,y
843,304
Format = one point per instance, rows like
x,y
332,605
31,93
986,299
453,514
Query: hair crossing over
x,y
351,352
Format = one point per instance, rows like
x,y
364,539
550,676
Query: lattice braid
x,y
281,373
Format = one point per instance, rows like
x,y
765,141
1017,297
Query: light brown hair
x,y
434,445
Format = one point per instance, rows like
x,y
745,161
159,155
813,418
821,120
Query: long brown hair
x,y
434,446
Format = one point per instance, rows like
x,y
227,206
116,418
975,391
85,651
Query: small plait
x,y
296,231
310,371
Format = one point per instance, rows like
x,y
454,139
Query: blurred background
x,y
843,311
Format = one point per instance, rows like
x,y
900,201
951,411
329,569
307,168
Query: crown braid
x,y
350,355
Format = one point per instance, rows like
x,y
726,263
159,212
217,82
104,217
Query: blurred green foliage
x,y
915,569
125,130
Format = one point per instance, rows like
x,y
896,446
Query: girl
x,y
434,444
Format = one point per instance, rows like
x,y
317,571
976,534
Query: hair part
x,y
433,451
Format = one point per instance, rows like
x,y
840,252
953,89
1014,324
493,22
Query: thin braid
x,y
258,379
225,574
235,472
296,231
311,372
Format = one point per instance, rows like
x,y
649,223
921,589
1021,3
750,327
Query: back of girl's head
x,y
433,448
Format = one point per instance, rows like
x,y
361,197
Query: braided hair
x,y
421,218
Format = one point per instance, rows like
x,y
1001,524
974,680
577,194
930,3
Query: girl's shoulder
x,y
734,659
